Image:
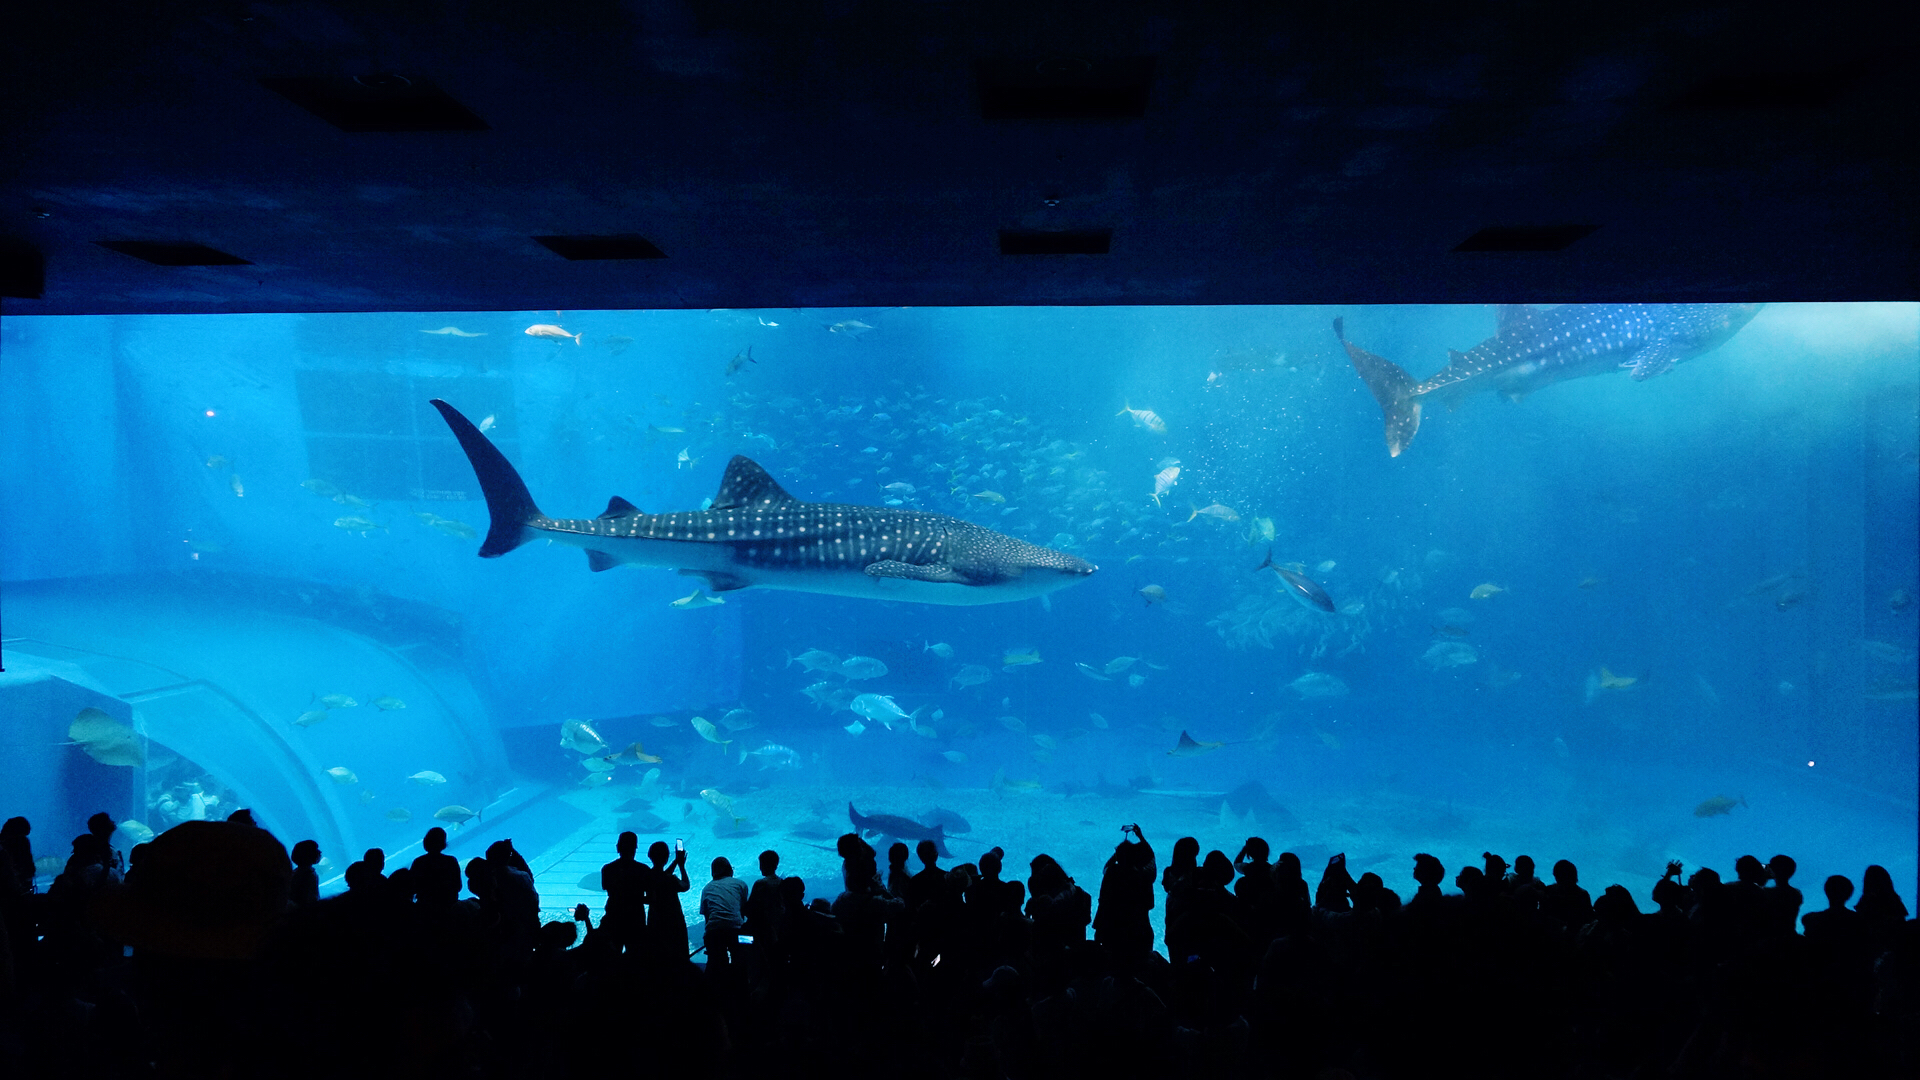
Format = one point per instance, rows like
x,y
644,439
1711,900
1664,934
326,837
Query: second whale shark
x,y
1532,348
755,535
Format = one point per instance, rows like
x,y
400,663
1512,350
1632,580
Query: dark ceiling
x,y
920,152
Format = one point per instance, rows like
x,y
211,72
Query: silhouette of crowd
x,y
209,954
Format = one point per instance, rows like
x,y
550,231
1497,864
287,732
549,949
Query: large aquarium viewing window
x,y
1619,584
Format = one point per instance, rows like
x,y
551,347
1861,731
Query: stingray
x,y
644,822
734,829
106,740
1252,798
816,829
1188,746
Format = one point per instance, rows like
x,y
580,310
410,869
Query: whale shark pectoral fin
x,y
1653,360
893,568
719,580
600,560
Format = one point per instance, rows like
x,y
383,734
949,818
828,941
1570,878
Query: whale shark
x,y
755,535
1532,348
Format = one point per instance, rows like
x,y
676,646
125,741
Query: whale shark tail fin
x,y
1392,387
508,501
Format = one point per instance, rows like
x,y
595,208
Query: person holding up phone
x,y
662,885
1121,921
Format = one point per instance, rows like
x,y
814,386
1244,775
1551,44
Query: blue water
x,y
1735,537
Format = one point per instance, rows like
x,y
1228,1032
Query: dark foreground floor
x,y
209,957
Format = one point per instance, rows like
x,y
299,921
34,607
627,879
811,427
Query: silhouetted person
x,y
926,886
1669,894
624,880
1842,945
1523,886
662,884
243,816
1123,921
1564,903
899,877
17,849
1494,869
929,906
363,882
304,891
1370,893
808,936
436,874
1473,885
863,910
1880,909
101,826
1782,899
1336,887
519,900
1178,881
1616,907
766,912
69,925
1827,927
482,911
1256,888
1060,909
1292,900
994,896
723,905
398,891
1215,919
366,878
1428,873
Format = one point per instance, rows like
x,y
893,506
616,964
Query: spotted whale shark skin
x,y
755,535
1533,348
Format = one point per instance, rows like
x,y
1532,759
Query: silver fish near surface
x,y
756,535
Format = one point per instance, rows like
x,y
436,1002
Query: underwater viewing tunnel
x,y
989,425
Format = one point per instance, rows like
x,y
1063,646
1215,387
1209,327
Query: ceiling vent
x,y
1066,242
1065,88
1772,90
378,103
23,270
1525,238
589,248
173,253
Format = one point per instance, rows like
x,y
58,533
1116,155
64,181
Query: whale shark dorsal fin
x,y
747,484
1508,317
618,507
